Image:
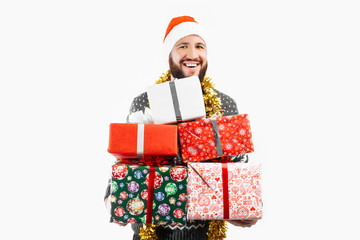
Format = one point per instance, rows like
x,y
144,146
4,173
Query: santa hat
x,y
178,28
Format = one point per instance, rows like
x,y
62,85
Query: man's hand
x,y
108,207
243,223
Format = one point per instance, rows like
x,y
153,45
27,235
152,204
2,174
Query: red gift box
x,y
129,140
213,138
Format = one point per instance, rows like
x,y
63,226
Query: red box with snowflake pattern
x,y
213,196
214,138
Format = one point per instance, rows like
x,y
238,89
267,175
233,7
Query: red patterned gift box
x,y
130,140
213,138
220,191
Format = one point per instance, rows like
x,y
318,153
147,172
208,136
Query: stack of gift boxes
x,y
146,188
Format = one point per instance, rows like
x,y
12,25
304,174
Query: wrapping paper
x,y
206,191
156,140
198,142
187,97
149,161
130,194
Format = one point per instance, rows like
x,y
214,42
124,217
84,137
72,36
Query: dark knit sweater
x,y
194,230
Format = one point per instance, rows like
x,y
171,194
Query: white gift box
x,y
176,101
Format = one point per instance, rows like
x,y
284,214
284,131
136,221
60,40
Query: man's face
x,y
188,58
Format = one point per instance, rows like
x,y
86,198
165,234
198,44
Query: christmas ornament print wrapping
x,y
197,139
205,191
129,194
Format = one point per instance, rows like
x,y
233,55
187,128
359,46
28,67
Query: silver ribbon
x,y
216,137
175,100
140,140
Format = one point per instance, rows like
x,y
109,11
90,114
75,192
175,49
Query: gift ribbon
x,y
216,137
140,140
175,100
149,207
225,178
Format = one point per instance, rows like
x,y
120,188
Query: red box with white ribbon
x,y
130,140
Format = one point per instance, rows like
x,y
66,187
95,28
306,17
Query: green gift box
x,y
148,194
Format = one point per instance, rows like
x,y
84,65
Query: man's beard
x,y
177,73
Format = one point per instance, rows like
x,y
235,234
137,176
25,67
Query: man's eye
x,y
182,46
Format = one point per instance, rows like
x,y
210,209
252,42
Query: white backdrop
x,y
69,68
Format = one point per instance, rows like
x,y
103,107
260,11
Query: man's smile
x,y
191,64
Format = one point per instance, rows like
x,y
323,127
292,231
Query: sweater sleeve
x,y
138,104
107,191
228,104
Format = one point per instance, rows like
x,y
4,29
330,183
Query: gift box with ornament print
x,y
176,101
214,138
148,194
130,140
220,191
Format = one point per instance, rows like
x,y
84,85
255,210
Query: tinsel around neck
x,y
211,100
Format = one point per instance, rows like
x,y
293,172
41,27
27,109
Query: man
x,y
186,49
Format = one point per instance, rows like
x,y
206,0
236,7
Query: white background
x,y
69,68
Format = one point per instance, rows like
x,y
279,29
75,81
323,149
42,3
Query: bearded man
x,y
185,46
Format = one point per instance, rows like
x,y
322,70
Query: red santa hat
x,y
179,28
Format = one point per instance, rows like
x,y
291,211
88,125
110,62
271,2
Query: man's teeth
x,y
191,64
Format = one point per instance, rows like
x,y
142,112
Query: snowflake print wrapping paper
x,y
198,143
205,191
130,194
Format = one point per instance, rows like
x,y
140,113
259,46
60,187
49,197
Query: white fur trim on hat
x,y
180,31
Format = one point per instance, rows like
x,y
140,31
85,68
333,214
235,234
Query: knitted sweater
x,y
193,230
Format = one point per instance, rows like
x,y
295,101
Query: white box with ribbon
x,y
176,101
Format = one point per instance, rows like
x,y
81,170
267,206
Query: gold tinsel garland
x,y
217,229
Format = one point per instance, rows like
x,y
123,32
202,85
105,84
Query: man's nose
x,y
192,53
